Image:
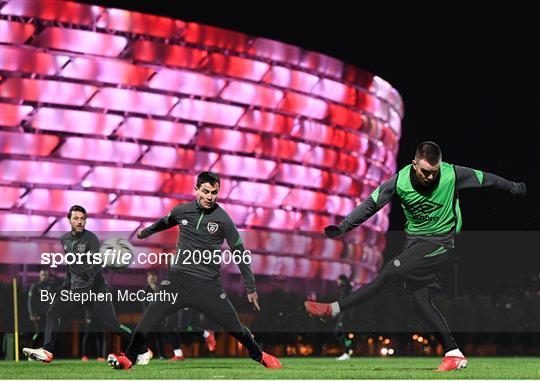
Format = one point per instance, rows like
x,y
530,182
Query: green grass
x,y
294,368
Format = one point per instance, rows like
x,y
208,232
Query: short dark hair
x,y
150,273
429,151
76,208
208,177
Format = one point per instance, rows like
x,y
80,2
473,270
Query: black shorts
x,y
192,291
204,295
419,264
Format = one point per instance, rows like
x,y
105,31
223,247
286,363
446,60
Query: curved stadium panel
x,y
119,111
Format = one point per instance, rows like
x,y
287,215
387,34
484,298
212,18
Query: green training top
x,y
436,212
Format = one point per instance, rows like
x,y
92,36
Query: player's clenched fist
x,y
518,189
332,231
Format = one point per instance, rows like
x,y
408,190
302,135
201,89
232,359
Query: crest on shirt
x,y
212,227
81,247
184,222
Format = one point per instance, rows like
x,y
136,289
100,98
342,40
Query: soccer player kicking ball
x,y
81,278
204,225
427,190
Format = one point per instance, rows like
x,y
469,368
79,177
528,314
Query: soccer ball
x,y
117,253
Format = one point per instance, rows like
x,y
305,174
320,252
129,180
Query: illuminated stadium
x,y
121,122
119,111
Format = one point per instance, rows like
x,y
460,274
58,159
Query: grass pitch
x,y
294,368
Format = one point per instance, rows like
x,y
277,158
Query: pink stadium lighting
x,y
121,110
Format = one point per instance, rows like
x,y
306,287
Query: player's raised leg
x,y
388,274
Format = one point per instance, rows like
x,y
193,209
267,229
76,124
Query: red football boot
x,y
318,309
211,341
120,361
270,361
452,363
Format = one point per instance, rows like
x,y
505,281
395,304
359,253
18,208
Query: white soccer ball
x,y
117,253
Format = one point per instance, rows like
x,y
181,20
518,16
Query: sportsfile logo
x,y
420,210
120,259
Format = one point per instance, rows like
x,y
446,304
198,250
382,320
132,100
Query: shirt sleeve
x,y
93,244
66,283
473,178
164,223
234,240
375,202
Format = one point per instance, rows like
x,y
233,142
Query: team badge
x,y
222,295
184,222
212,227
397,263
81,247
165,282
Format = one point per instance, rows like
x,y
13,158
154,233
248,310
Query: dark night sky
x,y
468,78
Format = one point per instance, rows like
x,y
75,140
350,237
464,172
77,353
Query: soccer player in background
x,y
186,321
204,226
427,190
156,334
81,278
37,308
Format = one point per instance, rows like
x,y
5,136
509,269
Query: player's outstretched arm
x,y
472,178
247,274
164,223
234,240
379,198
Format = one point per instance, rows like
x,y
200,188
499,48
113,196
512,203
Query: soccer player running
x,y
427,190
204,226
81,278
